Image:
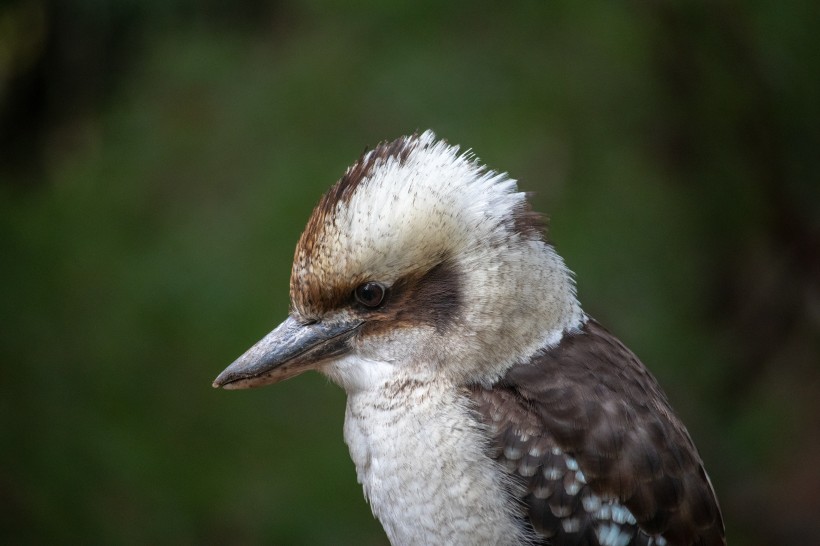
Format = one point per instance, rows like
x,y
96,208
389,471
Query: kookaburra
x,y
483,405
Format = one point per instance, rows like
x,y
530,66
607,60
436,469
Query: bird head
x,y
418,264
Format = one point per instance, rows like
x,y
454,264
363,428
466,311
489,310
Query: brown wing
x,y
604,458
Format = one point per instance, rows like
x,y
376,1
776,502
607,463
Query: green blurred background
x,y
158,161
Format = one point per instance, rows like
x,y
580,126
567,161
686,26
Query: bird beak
x,y
292,348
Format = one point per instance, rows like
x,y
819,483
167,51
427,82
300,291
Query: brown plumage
x,y
590,402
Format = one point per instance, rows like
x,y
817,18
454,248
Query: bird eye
x,y
370,294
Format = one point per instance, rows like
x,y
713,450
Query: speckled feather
x,y
605,460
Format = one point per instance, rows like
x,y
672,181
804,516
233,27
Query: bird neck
x,y
520,303
420,457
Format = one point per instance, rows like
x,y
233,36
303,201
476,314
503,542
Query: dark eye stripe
x,y
370,294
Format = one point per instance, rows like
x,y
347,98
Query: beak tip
x,y
221,381
230,382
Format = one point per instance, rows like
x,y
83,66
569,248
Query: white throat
x,y
420,456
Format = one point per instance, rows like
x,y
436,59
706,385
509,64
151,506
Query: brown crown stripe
x,y
363,168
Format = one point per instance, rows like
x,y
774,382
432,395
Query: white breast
x,y
419,455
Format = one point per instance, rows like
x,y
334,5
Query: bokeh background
x,y
158,160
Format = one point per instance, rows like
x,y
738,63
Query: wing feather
x,y
604,459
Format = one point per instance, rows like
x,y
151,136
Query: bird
x,y
484,406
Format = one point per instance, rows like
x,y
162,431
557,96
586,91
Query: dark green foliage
x,y
159,159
